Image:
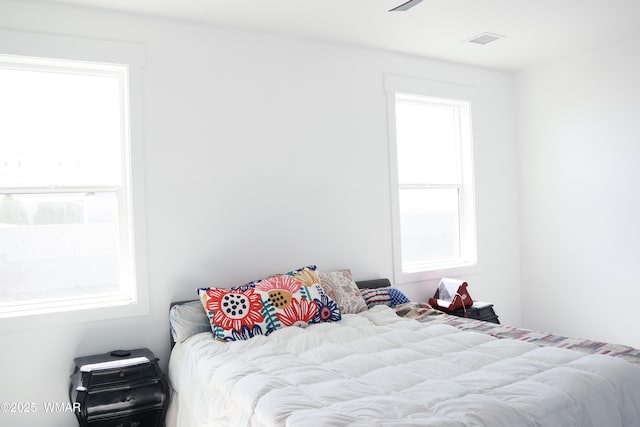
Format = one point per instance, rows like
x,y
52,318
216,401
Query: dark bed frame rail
x,y
373,283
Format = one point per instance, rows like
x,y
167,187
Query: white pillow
x,y
188,319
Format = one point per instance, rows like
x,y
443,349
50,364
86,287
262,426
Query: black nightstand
x,y
119,389
479,311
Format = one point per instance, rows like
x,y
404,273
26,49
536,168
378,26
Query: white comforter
x,y
378,369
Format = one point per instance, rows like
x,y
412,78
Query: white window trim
x,y
460,95
106,52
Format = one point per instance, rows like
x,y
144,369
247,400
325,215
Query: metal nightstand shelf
x,y
479,311
119,389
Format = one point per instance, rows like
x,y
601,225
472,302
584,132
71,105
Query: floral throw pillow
x,y
383,296
263,306
339,286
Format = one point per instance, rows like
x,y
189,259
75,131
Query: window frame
x,y
443,93
126,60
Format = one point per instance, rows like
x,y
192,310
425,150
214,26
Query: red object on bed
x,y
461,299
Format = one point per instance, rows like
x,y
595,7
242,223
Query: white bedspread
x,y
376,368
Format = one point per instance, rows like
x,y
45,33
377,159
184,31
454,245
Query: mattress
x,y
375,368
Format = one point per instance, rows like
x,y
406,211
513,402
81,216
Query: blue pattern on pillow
x,y
397,297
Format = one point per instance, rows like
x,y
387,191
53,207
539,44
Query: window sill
x,y
39,316
435,272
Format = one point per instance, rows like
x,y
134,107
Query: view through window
x,y
65,220
434,183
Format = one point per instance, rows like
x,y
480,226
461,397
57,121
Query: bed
x,y
377,367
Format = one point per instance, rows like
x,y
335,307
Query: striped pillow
x,y
383,296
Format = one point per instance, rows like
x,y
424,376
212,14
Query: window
x,y
66,222
432,186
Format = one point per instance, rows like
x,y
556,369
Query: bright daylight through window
x,y
435,224
65,220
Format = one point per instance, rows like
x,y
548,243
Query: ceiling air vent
x,y
484,38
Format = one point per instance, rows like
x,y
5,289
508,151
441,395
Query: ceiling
x,y
537,31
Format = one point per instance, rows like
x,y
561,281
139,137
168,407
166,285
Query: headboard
x,y
373,283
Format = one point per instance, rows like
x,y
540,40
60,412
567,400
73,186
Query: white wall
x,y
579,146
263,154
